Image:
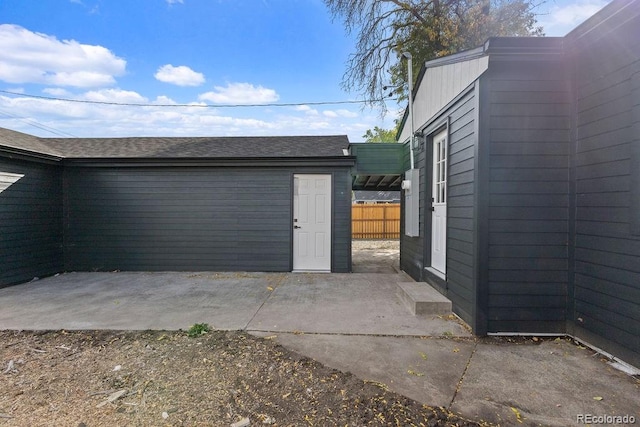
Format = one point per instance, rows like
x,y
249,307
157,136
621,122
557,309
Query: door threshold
x,y
311,271
438,273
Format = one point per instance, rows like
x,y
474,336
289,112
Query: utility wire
x,y
38,125
130,104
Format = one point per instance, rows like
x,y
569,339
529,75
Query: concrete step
x,y
422,299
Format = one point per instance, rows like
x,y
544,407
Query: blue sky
x,y
196,52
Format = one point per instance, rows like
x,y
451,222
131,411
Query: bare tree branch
x,y
426,28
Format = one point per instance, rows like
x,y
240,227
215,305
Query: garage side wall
x,y
529,128
607,240
30,221
173,218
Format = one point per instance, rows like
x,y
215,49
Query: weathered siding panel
x,y
232,219
528,207
30,221
607,254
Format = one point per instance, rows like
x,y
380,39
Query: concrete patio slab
x,y
327,303
364,303
550,384
136,301
352,322
425,369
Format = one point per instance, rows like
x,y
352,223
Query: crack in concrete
x,y
275,286
466,368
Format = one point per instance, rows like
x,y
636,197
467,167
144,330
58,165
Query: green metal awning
x,y
379,166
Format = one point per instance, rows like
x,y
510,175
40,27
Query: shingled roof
x,y
178,147
25,142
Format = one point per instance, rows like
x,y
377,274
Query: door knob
x,y
296,226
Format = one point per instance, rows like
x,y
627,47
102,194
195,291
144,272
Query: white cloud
x,y
29,57
306,109
180,75
560,20
340,113
57,91
240,93
115,95
170,2
196,119
164,100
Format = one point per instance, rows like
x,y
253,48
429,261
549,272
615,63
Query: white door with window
x,y
439,204
311,222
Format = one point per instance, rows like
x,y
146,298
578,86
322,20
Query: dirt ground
x,y
155,378
376,256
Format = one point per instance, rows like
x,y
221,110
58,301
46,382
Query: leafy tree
x,y
380,135
427,29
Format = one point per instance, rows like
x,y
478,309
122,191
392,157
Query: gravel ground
x,y
358,245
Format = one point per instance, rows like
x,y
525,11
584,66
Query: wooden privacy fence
x,y
375,221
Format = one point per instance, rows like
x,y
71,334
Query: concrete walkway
x,y
353,322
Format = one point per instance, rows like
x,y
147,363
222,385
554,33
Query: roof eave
x,y
343,161
22,154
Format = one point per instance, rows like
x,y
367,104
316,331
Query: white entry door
x,y
311,222
439,204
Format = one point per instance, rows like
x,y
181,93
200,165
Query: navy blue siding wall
x,y
528,212
416,252
460,207
234,219
607,251
412,248
30,221
341,247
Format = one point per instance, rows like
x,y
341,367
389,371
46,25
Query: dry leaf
x,y
417,374
597,398
518,416
112,398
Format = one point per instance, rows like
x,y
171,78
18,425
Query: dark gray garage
x,y
218,204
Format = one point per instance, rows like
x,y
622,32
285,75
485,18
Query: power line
x,y
131,104
38,125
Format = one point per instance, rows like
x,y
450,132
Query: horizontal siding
x,y
459,287
528,204
460,207
607,253
412,248
341,244
189,219
30,221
